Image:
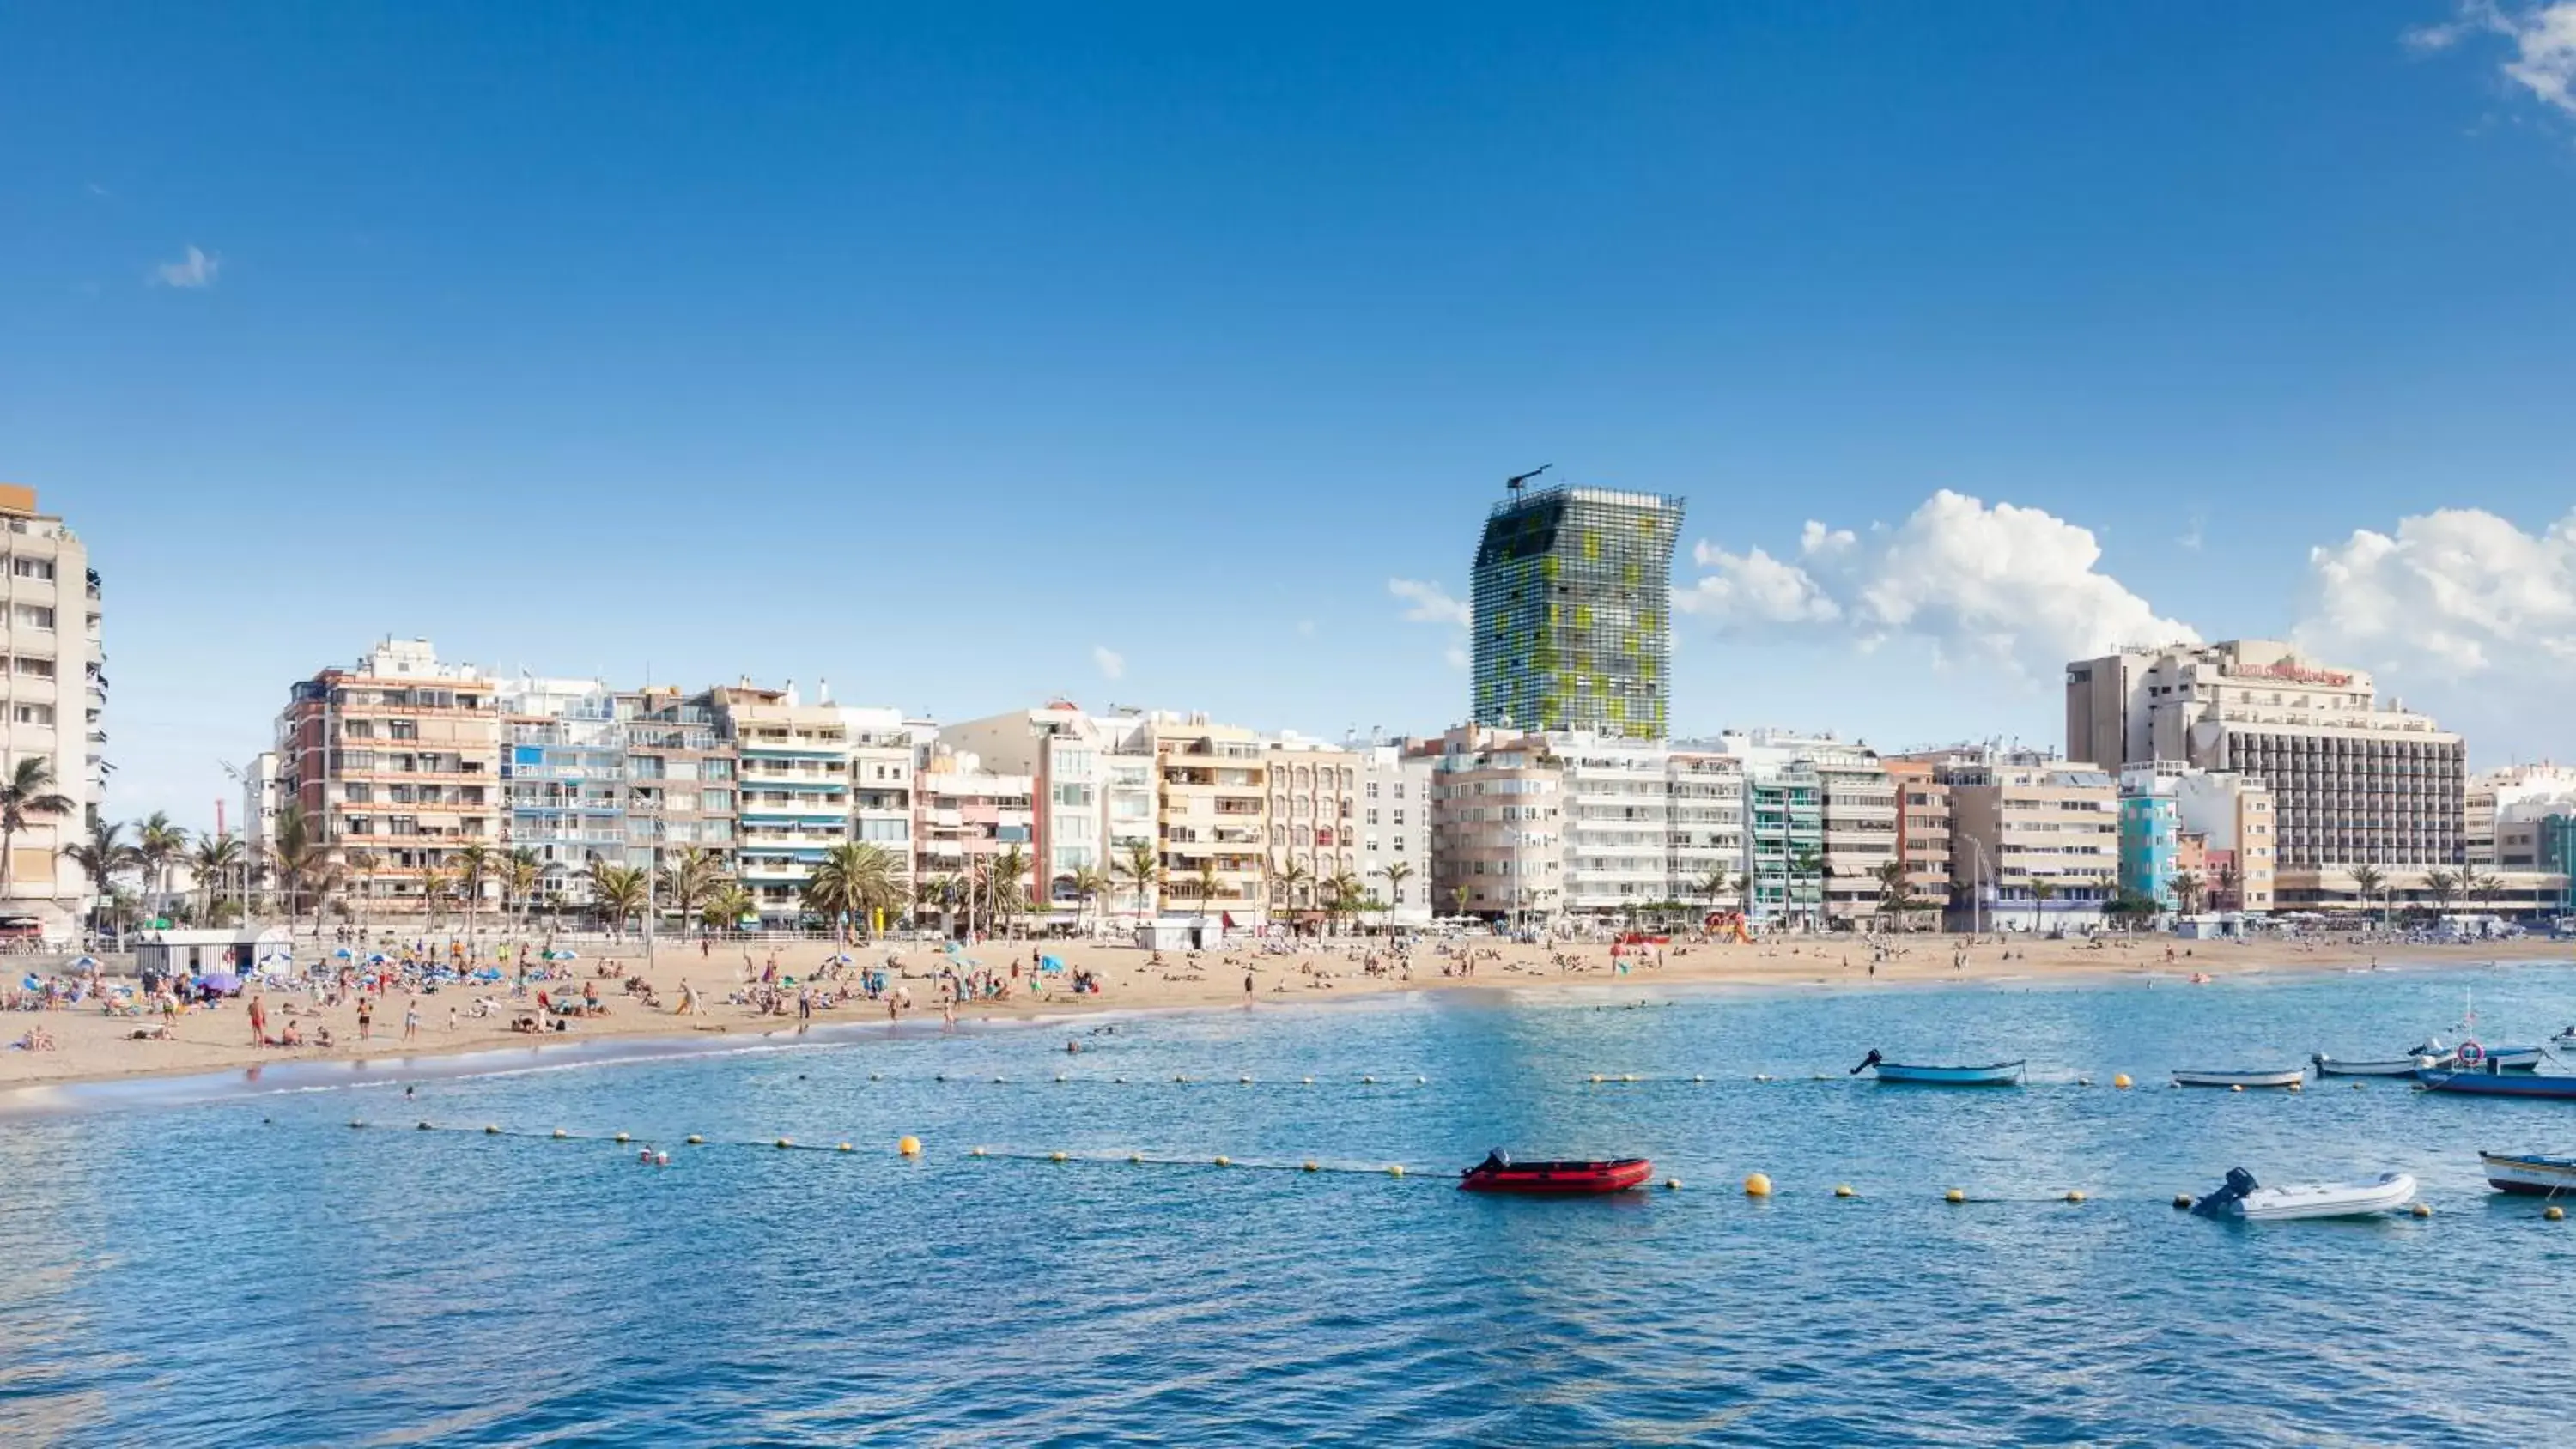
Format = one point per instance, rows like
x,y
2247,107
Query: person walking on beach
x,y
411,1020
1248,988
258,1022
366,1018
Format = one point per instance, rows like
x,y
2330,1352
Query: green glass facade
x,y
1573,613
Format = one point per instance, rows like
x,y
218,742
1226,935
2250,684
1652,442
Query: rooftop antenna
x,y
1517,482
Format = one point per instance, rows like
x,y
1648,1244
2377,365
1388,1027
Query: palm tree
x,y
1006,891
1089,884
851,882
2187,888
1142,868
103,857
158,846
363,864
216,860
2367,881
1712,887
2443,887
1203,885
1895,891
475,863
2227,896
2041,893
1458,900
296,857
521,873
2479,886
1396,873
1809,865
27,794
437,888
941,893
617,892
1293,880
690,879
726,907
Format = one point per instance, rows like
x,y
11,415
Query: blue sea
x,y
249,1269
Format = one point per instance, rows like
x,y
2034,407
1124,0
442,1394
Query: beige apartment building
x,y
1213,818
395,765
2353,782
2035,839
793,762
682,790
2239,821
1314,825
1497,823
1922,838
53,697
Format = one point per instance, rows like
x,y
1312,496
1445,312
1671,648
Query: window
x,y
1372,817
1372,790
32,616
34,714
32,568
34,668
715,802
402,729
1399,789
1399,818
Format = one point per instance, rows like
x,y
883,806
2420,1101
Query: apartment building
x,y
2236,818
1573,612
2514,793
1704,836
53,702
969,819
1922,838
1616,823
1065,753
2354,782
563,782
395,764
2035,840
681,785
1213,818
1133,795
263,794
1497,823
2150,838
885,763
793,764
1315,816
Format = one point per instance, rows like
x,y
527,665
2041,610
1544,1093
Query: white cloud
x,y
196,269
2005,587
2543,38
2451,595
1430,603
1112,664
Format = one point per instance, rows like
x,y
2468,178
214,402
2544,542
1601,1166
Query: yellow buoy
x,y
786,1142
1368,1081
559,1132
2423,1210
1396,1171
1310,1166
978,1152
491,1129
1059,1157
1672,1184
1224,1161
620,1136
695,1140
2122,1082
2553,1213
1246,1081
2240,1086
2182,1199
1954,1195
2076,1196
1757,1185
909,1146
841,1147
1843,1189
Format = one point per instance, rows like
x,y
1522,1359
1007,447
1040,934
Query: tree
x,y
103,857
1713,886
1294,879
1341,892
726,907
1396,873
2228,897
362,864
1895,891
521,873
158,848
851,881
2443,887
217,859
474,863
1089,884
942,893
2041,893
27,794
2479,886
1807,867
1458,900
303,864
1141,868
617,892
437,889
1006,890
1203,885
2187,888
2367,881
691,879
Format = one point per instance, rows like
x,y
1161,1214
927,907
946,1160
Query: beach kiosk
x,y
243,952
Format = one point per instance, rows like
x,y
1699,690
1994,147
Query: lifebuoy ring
x,y
2472,1053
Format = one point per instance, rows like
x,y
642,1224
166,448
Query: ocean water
x,y
251,1270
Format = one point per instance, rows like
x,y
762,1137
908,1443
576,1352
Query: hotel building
x,y
563,781
1572,621
53,701
2035,840
1497,823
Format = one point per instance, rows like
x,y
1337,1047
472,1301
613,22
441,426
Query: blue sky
x,y
949,352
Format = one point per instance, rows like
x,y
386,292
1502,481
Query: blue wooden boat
x,y
2485,1083
2000,1074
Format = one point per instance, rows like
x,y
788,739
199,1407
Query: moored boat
x,y
2530,1174
2482,1082
1998,1074
1498,1173
2384,1067
2290,1077
2246,1200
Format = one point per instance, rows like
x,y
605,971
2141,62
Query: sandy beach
x,y
90,1046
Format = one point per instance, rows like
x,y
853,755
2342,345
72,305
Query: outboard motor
x,y
1867,1062
2239,1184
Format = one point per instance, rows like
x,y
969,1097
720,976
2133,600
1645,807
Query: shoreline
x,y
100,1069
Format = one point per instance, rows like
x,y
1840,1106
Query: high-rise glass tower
x,y
1573,612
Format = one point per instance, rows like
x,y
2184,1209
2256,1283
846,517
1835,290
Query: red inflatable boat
x,y
1555,1179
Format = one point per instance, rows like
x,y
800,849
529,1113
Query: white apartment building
x,y
1704,843
2516,793
2237,814
1064,752
968,820
793,764
53,696
1497,820
1617,822
1358,809
2035,840
883,758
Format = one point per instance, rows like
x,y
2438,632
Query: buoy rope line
x,y
1154,1079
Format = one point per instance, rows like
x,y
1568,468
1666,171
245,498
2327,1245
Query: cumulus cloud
x,y
1429,603
1112,664
2000,586
2450,595
196,269
2543,38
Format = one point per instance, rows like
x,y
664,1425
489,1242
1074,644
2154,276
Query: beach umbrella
x,y
837,958
378,959
344,954
223,981
83,963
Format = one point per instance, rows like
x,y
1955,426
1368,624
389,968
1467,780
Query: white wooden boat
x,y
2246,1200
2289,1078
2530,1174
2381,1067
